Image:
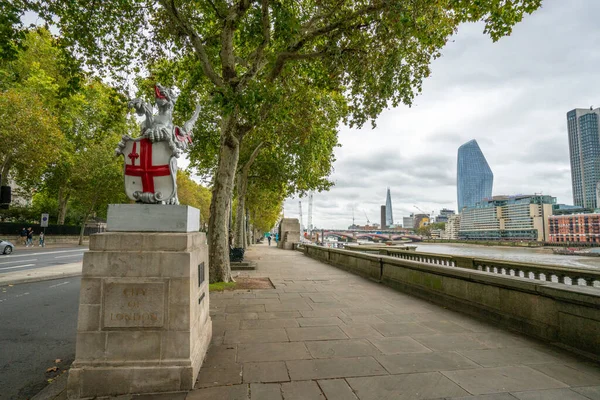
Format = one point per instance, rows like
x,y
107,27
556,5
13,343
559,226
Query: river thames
x,y
533,255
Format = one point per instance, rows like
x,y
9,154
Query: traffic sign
x,y
44,223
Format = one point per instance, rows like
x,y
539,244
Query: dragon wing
x,y
189,125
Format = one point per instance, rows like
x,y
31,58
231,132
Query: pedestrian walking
x,y
269,238
24,237
29,237
42,240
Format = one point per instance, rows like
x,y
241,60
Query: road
x,y
37,257
38,324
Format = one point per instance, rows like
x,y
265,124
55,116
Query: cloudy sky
x,y
511,96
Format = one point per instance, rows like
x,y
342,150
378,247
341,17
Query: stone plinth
x,y
144,324
289,233
152,218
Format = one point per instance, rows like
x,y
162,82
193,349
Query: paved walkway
x,y
324,333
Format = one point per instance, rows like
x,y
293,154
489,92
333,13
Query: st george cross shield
x,y
150,170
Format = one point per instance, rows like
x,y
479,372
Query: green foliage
x,y
438,225
54,120
221,286
193,194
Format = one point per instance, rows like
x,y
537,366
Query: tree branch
x,y
258,55
214,7
344,21
196,42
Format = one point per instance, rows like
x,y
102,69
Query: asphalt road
x,y
38,324
37,257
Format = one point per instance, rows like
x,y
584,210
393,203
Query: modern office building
x,y
474,178
584,148
520,217
383,225
575,228
444,215
408,222
389,218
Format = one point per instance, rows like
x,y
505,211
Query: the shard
x,y
474,178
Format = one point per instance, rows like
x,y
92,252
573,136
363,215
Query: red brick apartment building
x,y
582,228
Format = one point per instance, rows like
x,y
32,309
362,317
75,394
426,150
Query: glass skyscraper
x,y
474,179
389,218
584,148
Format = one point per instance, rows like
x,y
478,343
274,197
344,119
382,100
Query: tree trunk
x,y
242,188
248,230
63,200
82,231
4,172
241,185
218,238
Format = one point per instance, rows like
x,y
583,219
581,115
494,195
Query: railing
x,y
550,273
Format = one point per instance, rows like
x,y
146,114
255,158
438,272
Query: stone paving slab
x,y
323,333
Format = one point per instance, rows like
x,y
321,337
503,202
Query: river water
x,y
533,255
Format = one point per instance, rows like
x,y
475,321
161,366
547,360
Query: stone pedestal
x,y
144,324
289,233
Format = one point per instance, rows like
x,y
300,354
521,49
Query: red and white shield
x,y
150,170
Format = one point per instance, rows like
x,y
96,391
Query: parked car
x,y
6,247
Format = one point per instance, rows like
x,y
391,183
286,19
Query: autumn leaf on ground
x,y
52,369
57,361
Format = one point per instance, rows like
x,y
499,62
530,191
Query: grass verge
x,y
221,286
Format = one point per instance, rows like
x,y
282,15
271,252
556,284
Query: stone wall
x,y
564,314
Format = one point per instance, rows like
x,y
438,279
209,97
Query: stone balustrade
x,y
542,272
518,296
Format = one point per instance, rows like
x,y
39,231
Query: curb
x,y
47,274
56,390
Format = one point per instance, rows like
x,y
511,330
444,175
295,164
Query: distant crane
x,y
310,205
420,209
368,222
301,225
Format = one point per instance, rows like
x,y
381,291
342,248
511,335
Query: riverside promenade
x,y
324,333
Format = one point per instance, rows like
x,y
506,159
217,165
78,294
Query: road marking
x,y
24,294
72,255
43,254
12,262
18,266
59,284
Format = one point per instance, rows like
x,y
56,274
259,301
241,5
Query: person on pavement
x,y
24,236
29,237
269,238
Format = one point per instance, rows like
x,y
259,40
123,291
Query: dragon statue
x,y
150,174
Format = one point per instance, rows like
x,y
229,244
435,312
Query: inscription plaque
x,y
133,304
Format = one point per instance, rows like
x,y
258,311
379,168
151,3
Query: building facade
x,y
575,228
584,148
452,227
421,220
408,222
389,218
474,178
444,215
521,217
383,225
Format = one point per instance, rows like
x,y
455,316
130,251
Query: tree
x,y
375,52
97,181
29,136
193,194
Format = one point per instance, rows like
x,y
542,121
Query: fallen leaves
x,y
52,369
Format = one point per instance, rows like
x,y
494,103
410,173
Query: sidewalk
x,y
324,333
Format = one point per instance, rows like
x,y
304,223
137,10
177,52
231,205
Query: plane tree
x,y
376,52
